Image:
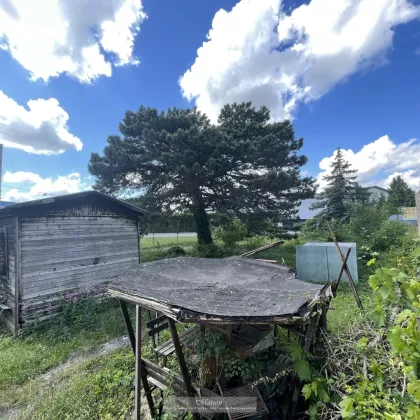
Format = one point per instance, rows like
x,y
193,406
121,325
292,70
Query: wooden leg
x,y
137,412
181,360
129,325
323,320
149,317
307,343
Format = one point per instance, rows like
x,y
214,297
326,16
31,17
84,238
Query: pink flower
x,y
75,300
49,308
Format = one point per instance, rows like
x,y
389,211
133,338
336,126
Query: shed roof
x,y
230,288
14,208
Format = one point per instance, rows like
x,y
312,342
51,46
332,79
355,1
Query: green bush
x,y
255,242
392,234
231,233
175,251
364,223
208,251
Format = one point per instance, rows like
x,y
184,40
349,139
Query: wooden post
x,y
311,330
336,283
149,318
346,269
137,402
418,210
129,325
181,360
18,283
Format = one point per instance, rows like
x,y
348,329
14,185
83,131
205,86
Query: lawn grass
x,y
39,349
168,241
99,388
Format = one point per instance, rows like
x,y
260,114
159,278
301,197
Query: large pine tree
x,y
243,166
342,190
400,194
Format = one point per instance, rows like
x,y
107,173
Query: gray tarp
x,y
231,287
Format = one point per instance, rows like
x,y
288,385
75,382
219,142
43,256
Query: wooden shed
x,y
54,246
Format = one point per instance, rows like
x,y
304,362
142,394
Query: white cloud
x,y
82,39
42,129
378,162
41,187
256,52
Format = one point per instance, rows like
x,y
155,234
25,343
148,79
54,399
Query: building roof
x,y
379,188
11,209
229,289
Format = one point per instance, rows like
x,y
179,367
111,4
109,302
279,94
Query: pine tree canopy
x,y
400,194
342,190
242,166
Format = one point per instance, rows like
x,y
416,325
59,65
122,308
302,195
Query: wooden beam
x,y
152,322
181,360
262,248
335,284
156,330
18,284
138,237
346,269
128,324
137,396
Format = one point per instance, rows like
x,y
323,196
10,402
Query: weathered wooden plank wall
x,y
68,253
8,278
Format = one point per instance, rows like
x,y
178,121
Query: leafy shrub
x,y
392,234
364,223
255,242
175,251
208,251
231,233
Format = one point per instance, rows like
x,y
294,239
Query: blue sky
x,y
347,75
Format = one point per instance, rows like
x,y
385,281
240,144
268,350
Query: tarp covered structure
x,y
231,288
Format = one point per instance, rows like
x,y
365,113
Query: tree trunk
x,y
201,221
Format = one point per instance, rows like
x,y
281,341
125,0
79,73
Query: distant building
x,y
378,192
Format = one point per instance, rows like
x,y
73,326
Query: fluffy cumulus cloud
x,y
257,52
40,129
41,187
380,161
82,39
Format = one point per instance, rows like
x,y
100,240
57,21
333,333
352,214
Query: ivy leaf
x,y
307,391
413,389
346,406
314,387
413,412
296,351
313,412
402,316
323,395
394,338
378,315
303,370
373,281
371,262
415,253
